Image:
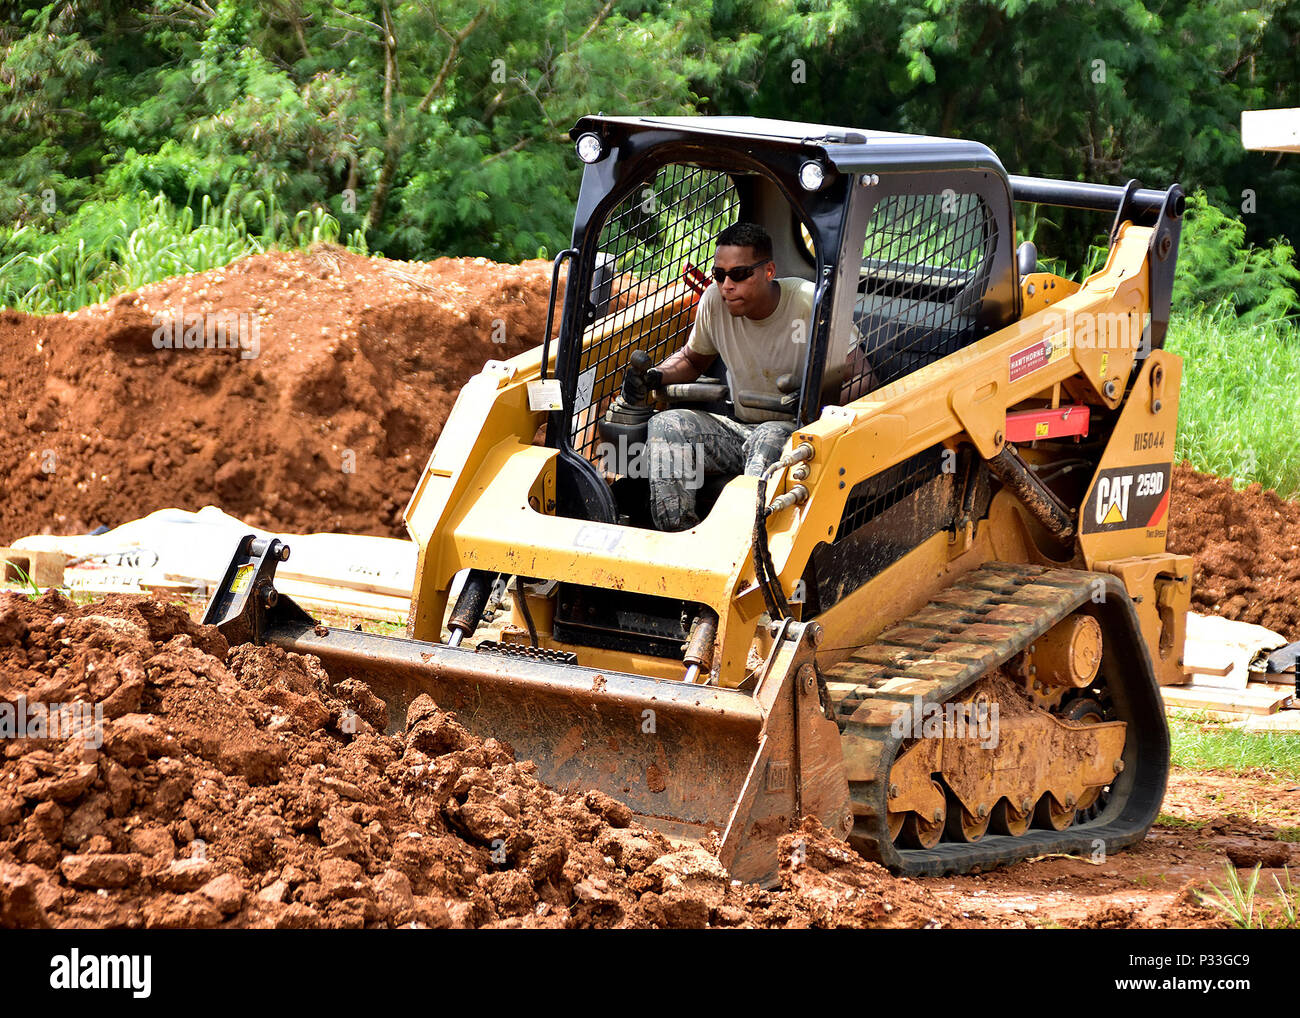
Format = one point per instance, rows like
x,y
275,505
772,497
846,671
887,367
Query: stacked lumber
x,y
1226,664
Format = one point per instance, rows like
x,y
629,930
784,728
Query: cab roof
x,y
849,150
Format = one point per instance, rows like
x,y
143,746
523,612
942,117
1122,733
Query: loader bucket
x,y
688,759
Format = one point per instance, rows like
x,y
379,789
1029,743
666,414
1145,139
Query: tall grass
x,y
1239,412
143,240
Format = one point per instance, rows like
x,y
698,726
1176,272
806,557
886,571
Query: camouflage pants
x,y
686,446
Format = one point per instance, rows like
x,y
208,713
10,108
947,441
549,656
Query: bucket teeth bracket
x,y
246,595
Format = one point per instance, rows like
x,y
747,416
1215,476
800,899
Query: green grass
x,y
1199,748
1198,715
1239,902
137,241
22,583
1239,412
1180,823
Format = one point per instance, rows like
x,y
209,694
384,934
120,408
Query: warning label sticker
x,y
243,576
1128,498
1044,352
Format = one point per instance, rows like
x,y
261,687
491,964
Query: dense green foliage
x,y
1216,267
436,127
1103,91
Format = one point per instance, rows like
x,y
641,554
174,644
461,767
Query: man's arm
x,y
684,366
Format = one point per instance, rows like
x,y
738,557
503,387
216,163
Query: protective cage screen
x,y
656,249
869,498
926,267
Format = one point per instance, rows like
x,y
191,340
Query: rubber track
x,y
966,631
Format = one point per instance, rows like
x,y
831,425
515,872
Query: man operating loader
x,y
758,324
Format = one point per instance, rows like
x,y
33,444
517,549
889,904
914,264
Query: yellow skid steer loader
x,y
938,623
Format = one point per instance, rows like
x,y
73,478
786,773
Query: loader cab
x,y
908,240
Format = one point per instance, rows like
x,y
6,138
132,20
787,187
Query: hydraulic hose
x,y
764,570
778,609
520,597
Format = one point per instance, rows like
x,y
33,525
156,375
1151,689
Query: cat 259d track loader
x,y
938,623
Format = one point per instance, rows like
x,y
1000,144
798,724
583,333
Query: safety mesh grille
x,y
871,497
657,245
926,266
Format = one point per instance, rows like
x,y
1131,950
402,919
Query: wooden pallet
x,y
1256,698
1283,722
1220,652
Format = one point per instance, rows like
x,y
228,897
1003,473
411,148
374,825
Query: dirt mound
x,y
243,788
317,403
1247,549
337,374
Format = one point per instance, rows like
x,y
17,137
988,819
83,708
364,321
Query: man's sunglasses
x,y
739,274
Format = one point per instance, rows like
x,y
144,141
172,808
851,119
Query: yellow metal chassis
x,y
483,499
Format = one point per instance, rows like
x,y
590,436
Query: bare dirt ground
x,y
247,788
1209,821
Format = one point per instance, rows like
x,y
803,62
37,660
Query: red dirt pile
x,y
1247,549
358,363
244,788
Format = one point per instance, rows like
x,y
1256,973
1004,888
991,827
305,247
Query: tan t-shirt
x,y
757,353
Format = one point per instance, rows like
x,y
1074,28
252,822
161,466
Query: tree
x,y
432,126
1103,91
439,127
